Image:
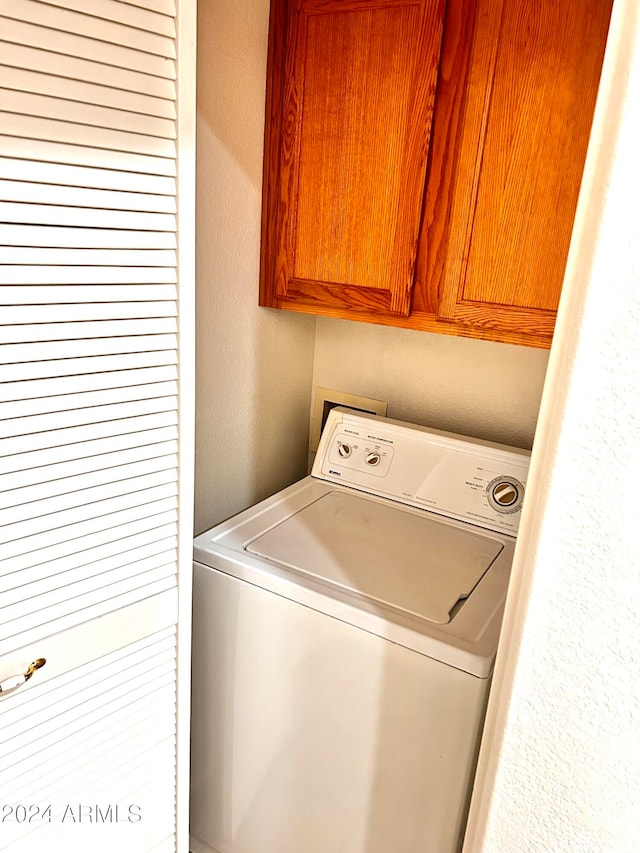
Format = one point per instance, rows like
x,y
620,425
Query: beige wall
x,y
257,367
253,365
478,388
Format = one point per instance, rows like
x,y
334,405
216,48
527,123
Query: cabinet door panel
x,y
513,211
353,137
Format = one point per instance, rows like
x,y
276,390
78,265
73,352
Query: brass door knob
x,y
8,685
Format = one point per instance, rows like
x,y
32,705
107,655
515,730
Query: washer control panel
x,y
456,476
359,453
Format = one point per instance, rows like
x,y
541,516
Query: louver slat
x,y
102,415
94,311
119,531
62,386
85,217
106,21
125,13
34,171
11,353
84,238
70,367
139,165
166,7
87,448
46,579
75,68
83,113
81,473
34,127
22,191
103,329
80,501
86,400
33,295
16,274
93,257
22,80
78,44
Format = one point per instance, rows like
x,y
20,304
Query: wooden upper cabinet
x,y
531,91
348,135
423,159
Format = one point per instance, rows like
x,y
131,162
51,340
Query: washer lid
x,y
395,557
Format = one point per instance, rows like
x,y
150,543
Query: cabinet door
x,y
352,86
534,77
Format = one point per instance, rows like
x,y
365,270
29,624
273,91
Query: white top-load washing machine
x,y
344,637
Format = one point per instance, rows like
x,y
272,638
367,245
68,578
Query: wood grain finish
x,y
532,167
487,327
357,91
353,135
532,90
352,225
271,160
451,97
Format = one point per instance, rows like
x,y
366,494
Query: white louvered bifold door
x,y
88,752
90,292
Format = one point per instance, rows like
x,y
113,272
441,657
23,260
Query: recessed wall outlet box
x,y
326,399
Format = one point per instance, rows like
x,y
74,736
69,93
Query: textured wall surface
x,y
560,765
479,388
254,365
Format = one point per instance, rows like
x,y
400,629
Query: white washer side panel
x,y
310,734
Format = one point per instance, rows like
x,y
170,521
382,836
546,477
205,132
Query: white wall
x,y
560,764
254,365
479,388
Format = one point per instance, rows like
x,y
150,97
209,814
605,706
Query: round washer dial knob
x,y
372,458
344,450
505,494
